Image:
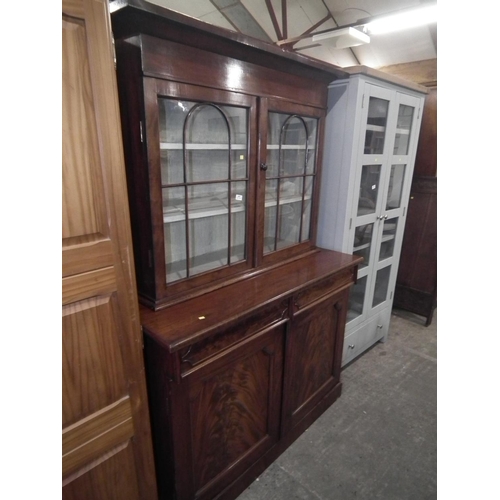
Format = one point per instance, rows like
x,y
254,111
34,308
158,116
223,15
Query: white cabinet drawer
x,y
366,335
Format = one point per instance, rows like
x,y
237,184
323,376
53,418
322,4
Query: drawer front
x,y
324,287
366,335
195,354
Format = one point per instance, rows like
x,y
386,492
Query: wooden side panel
x,y
426,157
416,285
106,452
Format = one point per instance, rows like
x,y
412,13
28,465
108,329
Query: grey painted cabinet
x,y
372,130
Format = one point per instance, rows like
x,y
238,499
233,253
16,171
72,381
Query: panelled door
x,y
106,441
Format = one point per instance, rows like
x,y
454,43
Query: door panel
x,y
234,409
106,439
312,369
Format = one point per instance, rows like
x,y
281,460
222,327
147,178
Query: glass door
x,y
203,155
288,174
368,204
395,193
384,183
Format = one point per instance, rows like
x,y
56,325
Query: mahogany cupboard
x,y
243,316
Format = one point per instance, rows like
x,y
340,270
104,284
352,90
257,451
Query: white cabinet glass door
x,y
383,186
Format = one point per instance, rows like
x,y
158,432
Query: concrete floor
x,y
378,440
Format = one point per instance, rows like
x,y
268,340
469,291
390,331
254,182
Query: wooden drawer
x,y
323,288
228,336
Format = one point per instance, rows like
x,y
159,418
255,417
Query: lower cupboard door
x,y
313,357
233,413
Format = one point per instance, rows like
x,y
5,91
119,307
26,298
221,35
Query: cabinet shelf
x,y
285,200
192,146
211,207
376,128
381,128
387,237
289,146
361,247
202,207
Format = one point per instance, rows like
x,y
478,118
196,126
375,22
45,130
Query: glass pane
x,y
207,144
388,238
381,286
306,211
403,129
295,138
289,224
356,299
362,243
270,215
172,169
207,165
208,216
272,161
395,186
368,190
239,163
312,126
376,124
238,220
174,229
172,114
210,130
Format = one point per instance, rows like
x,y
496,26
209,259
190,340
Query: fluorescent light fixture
x,y
343,38
403,20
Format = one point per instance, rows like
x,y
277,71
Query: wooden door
x,y
107,451
226,414
313,352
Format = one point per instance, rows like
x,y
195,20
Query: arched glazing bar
x,y
191,114
284,129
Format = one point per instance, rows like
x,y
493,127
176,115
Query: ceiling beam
x,y
307,32
284,20
288,43
272,15
241,18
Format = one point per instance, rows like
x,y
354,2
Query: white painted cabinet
x,y
371,136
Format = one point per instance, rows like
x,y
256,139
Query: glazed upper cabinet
x,y
227,179
372,133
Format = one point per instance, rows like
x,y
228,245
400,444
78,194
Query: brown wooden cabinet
x,y
243,315
231,388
